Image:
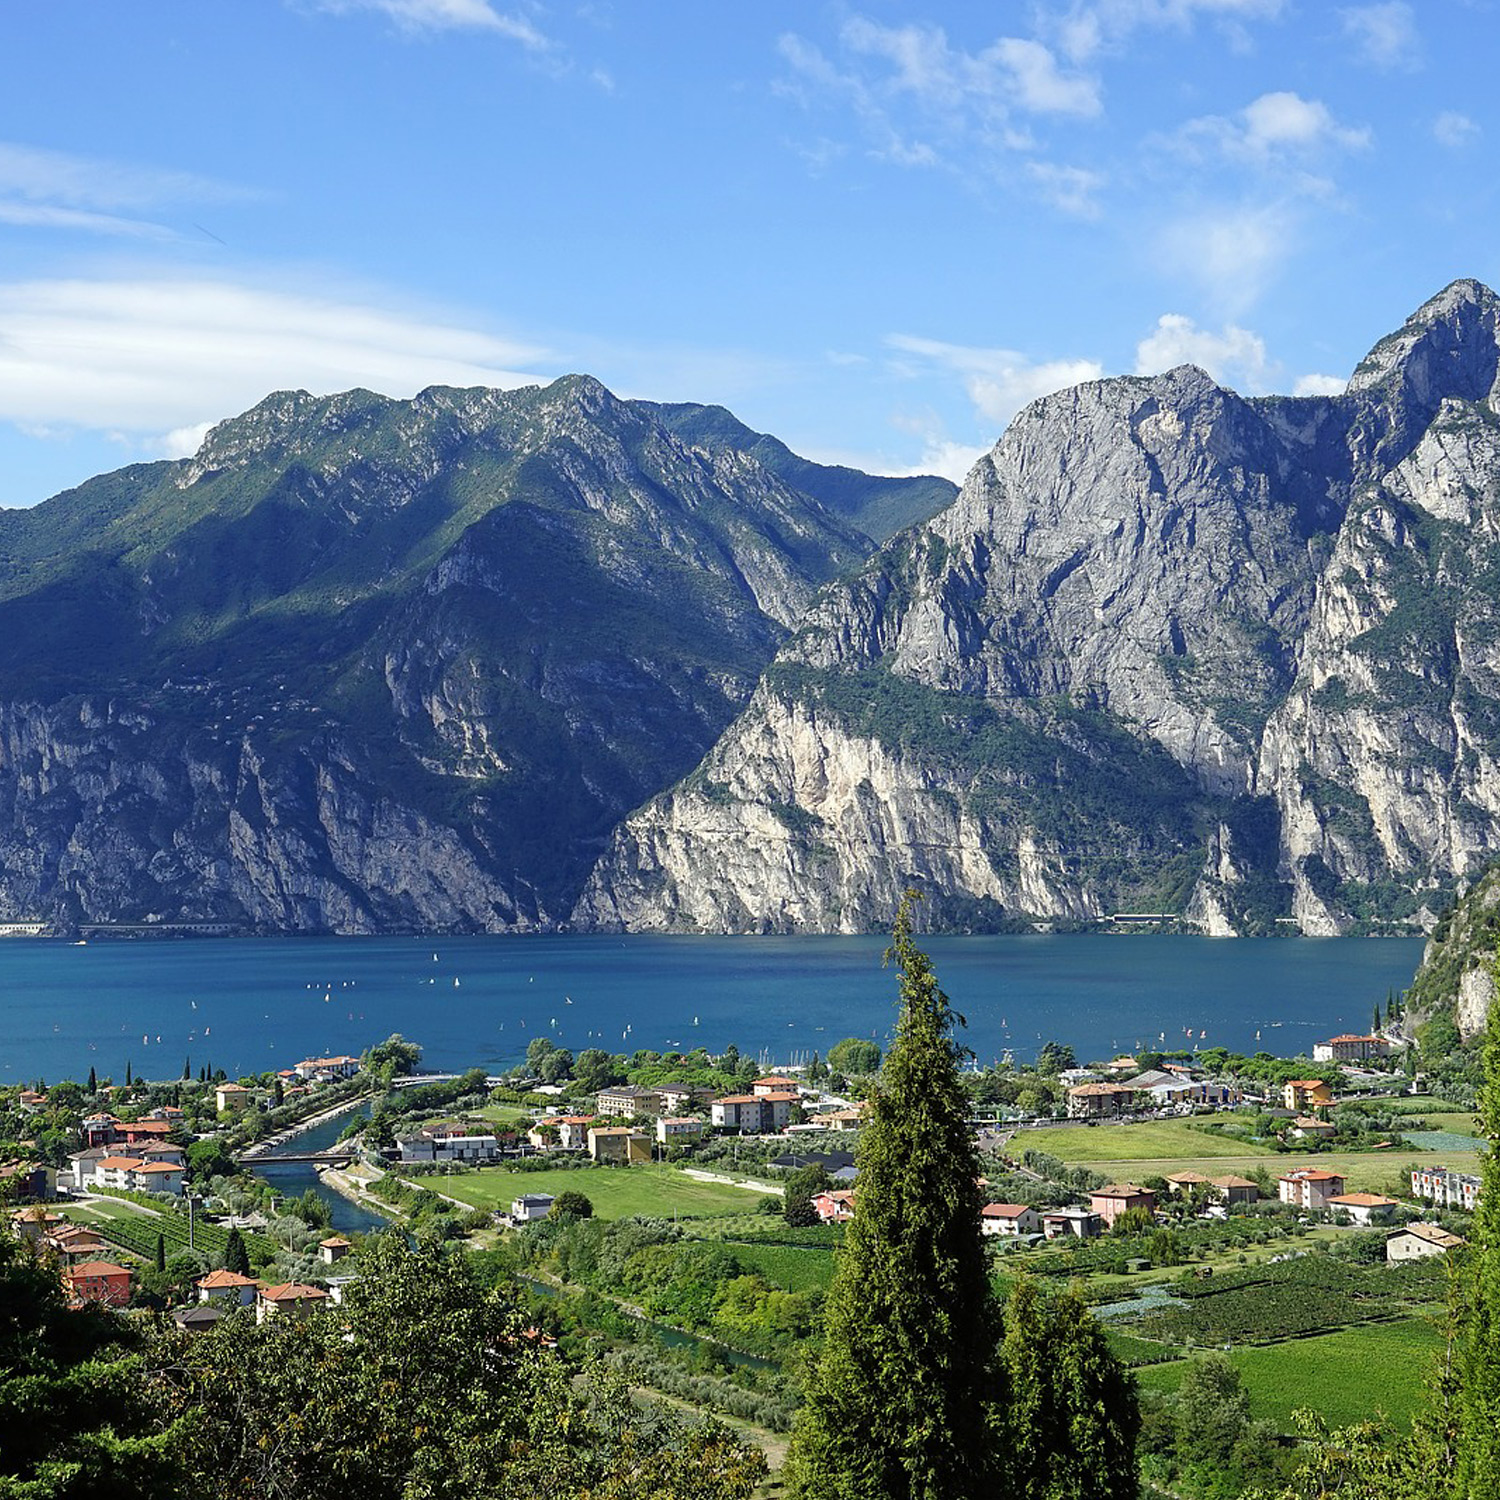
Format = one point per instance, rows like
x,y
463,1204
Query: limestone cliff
x,y
1286,605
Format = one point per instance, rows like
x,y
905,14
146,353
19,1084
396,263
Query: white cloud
x,y
49,216
1038,84
1091,26
1454,130
183,442
1319,385
1384,35
1272,128
999,381
1072,190
161,356
448,15
1233,356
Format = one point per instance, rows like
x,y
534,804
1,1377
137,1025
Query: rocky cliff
x,y
364,665
1170,650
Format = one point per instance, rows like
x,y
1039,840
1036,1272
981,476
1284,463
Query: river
x,y
292,1179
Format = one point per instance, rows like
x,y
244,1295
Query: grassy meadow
x,y
1346,1376
616,1192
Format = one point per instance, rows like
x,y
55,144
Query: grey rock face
x,y
1292,599
367,665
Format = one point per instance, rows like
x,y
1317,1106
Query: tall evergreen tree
x,y
128,1079
1072,1417
897,1407
93,1082
236,1257
161,1252
1479,1363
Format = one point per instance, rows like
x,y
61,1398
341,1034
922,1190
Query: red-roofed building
x,y
228,1287
1309,1188
289,1297
1009,1218
132,1131
98,1281
835,1206
774,1084
1118,1198
1364,1208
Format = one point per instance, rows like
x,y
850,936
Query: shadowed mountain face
x,y
1170,650
365,664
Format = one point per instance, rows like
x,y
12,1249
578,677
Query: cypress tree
x,y
93,1082
161,1253
187,1069
236,1257
1072,1418
896,1407
1479,1359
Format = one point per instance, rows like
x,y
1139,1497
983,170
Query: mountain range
x,y
487,661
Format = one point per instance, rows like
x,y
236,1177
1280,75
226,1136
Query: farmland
x,y
1345,1376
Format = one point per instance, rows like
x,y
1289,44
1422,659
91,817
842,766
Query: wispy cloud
x,y
921,101
1384,36
1231,253
998,381
449,15
1319,385
44,189
1087,27
1071,190
158,357
1454,130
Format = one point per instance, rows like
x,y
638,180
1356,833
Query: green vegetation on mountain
x,y
485,622
878,505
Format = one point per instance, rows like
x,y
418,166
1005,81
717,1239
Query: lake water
x,y
246,1005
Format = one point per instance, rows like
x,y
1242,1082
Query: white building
x,y
1009,1218
529,1207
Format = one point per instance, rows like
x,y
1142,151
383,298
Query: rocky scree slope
x,y
1171,650
370,665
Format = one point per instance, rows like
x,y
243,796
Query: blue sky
x,y
875,230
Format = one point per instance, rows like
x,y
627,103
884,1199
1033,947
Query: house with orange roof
x,y
228,1288
1363,1208
1308,1187
1417,1241
1093,1101
232,1097
1306,1094
289,1297
834,1206
98,1281
1009,1218
1115,1199
774,1084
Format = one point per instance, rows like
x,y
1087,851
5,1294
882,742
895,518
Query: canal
x,y
292,1179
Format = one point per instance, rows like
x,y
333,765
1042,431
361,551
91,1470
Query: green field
x,y
1165,1140
1346,1376
616,1192
786,1266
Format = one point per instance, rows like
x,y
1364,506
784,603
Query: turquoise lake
x,y
249,1004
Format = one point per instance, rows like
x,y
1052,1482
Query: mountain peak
x,y
1449,347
